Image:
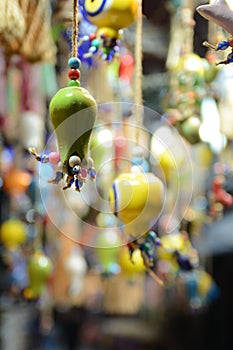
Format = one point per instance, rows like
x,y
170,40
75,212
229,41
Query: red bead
x,y
92,36
74,74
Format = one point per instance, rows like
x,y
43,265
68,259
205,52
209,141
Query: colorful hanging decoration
x,y
39,269
110,18
220,13
131,264
136,199
73,113
13,233
220,195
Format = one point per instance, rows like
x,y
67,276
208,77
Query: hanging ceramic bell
x,y
39,269
136,199
109,19
131,265
73,113
13,233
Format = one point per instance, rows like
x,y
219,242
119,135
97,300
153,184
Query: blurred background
x,y
75,271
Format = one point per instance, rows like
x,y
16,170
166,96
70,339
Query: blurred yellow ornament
x,y
111,16
133,265
210,70
191,63
167,163
168,150
203,154
171,243
205,282
136,199
13,233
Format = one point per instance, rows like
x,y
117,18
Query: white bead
x,y
74,160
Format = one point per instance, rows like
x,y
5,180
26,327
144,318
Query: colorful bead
x,y
74,74
44,158
74,83
92,36
93,49
74,63
223,45
96,43
54,157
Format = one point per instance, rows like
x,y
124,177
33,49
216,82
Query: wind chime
x,y
73,114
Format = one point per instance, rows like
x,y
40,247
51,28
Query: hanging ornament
x,y
13,233
136,199
220,195
131,264
73,113
110,18
220,13
39,269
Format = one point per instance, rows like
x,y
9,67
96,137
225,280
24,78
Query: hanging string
x,y
75,29
138,72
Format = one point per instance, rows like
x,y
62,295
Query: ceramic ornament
x,y
39,269
136,199
73,114
109,17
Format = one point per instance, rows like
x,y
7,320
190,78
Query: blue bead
x,y
223,45
74,63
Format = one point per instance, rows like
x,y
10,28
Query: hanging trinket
x,y
220,13
110,18
73,113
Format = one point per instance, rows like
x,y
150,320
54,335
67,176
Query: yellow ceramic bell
x,y
171,243
136,199
13,233
133,265
111,16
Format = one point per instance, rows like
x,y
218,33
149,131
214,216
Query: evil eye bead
x,y
74,63
94,7
76,169
74,160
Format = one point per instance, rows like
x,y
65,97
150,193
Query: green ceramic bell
x,y
73,113
39,269
189,129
